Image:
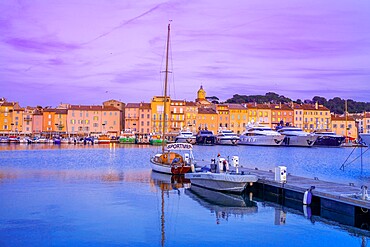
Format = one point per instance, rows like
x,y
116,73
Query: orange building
x,y
207,119
315,117
281,112
343,125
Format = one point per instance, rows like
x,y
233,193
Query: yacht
x,y
295,136
227,137
185,136
365,138
328,138
259,135
205,137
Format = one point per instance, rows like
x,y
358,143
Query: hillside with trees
x,y
335,105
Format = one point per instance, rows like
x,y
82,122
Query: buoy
x,y
307,197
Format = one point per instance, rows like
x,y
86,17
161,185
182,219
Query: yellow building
x,y
238,117
201,98
259,113
297,115
191,114
346,126
281,113
315,117
60,121
223,116
157,114
6,118
207,119
177,110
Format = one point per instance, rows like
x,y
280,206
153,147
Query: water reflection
x,y
222,205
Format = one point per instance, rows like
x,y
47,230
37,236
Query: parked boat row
x,y
258,135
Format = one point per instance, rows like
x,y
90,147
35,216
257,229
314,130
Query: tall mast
x,y
165,90
345,113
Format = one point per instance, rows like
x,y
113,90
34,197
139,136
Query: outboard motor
x,y
364,195
187,158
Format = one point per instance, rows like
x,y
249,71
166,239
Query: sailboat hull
x,y
169,169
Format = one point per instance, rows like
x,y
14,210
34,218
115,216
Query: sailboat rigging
x,y
169,161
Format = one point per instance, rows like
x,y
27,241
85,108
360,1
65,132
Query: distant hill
x,y
335,105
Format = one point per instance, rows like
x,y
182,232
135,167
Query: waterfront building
x,y
37,121
191,113
223,116
264,114
54,121
238,117
27,120
157,105
297,115
344,125
177,110
366,122
281,113
315,117
145,119
120,106
207,119
132,111
252,112
93,120
7,117
17,119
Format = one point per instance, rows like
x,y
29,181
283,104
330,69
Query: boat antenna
x,y
165,89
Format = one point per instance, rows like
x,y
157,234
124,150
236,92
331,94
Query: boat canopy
x,y
179,146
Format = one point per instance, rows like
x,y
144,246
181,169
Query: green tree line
x,y
336,104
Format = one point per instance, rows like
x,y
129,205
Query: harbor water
x,y
107,195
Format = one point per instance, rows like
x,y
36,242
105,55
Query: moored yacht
x,y
295,136
205,137
259,135
365,138
185,136
227,137
328,138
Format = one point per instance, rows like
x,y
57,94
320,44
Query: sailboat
x,y
169,160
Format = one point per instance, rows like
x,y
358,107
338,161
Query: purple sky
x,y
85,52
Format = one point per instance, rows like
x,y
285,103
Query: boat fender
x,y
307,196
192,168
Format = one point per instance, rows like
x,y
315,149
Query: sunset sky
x,y
86,52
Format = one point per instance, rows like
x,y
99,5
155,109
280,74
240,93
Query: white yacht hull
x,y
365,137
299,141
262,140
224,182
190,140
227,141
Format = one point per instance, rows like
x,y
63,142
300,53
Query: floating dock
x,y
338,202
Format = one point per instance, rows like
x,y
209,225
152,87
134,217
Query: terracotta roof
x,y
132,105
284,107
190,103
313,107
92,108
8,104
341,118
145,106
367,115
237,106
206,111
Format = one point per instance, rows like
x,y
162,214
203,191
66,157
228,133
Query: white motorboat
x,y
295,136
259,135
219,177
185,136
227,137
365,138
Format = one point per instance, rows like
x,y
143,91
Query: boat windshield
x,y
290,129
262,129
206,132
187,133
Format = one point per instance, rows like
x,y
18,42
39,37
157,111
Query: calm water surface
x,y
108,196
